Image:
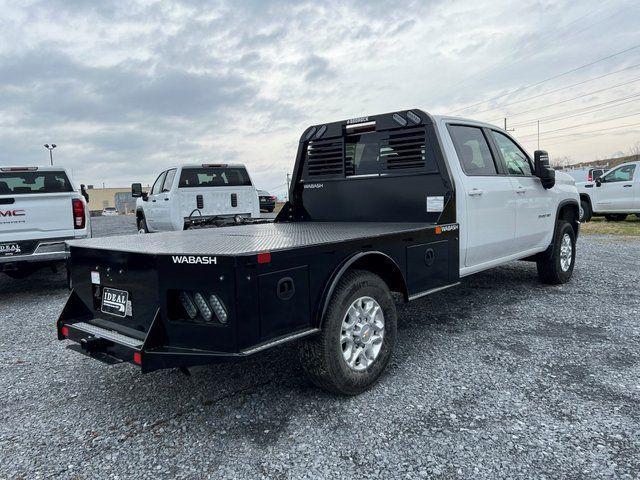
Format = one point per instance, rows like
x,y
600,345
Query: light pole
x,y
50,148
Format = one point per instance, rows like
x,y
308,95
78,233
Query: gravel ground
x,y
498,378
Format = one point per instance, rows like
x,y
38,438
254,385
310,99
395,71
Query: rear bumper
x,y
45,251
153,352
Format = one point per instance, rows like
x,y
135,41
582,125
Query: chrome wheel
x,y
581,213
566,252
141,230
362,333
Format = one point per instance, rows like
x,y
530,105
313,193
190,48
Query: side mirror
x,y
543,170
136,191
599,182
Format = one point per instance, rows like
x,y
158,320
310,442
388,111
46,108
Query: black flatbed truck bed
x,y
139,298
245,240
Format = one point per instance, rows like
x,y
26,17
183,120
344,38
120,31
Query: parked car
x,y
267,201
191,195
585,174
109,211
614,195
39,210
452,197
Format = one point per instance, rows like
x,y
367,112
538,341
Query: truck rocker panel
x,y
373,210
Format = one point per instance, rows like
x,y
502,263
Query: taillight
x,y
590,177
79,219
273,198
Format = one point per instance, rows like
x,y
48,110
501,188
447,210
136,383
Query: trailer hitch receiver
x,y
94,344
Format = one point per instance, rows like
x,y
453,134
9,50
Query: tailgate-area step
x,y
105,334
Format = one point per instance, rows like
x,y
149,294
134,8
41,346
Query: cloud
x,y
128,88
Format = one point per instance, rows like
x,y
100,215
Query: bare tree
x,y
634,150
562,162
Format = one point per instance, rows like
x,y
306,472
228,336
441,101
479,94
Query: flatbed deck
x,y
248,239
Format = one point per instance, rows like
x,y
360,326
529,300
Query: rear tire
x,y
357,337
616,217
557,268
585,211
22,272
142,226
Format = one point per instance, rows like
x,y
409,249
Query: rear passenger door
x,y
490,201
534,208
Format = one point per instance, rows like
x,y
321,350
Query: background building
x,y
120,198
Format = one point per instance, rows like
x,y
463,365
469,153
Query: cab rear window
x,y
21,183
214,177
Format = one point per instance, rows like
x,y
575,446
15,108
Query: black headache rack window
x,y
371,152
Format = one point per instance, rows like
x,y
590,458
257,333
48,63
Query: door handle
x,y
475,192
627,186
166,199
154,200
521,190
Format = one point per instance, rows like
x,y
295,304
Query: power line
x,y
550,78
558,89
568,113
574,98
587,132
582,125
551,39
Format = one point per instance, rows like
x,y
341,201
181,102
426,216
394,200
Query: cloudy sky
x,y
128,88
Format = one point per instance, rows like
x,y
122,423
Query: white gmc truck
x,y
39,210
615,195
193,195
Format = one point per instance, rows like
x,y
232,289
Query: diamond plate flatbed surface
x,y
248,239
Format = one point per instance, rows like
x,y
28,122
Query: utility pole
x,y
50,148
288,185
505,126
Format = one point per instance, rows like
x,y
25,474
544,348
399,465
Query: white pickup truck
x,y
402,202
614,195
189,195
39,210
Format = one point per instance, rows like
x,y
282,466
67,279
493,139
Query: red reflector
x,y
79,220
137,358
264,257
64,331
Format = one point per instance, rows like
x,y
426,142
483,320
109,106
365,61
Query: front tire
x,y
557,268
357,338
585,211
23,271
617,217
142,226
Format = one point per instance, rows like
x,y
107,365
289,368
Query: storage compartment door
x,y
427,266
284,302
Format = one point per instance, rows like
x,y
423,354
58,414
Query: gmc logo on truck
x,y
12,213
193,260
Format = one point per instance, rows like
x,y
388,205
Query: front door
x,y
151,208
163,205
535,214
616,190
489,198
